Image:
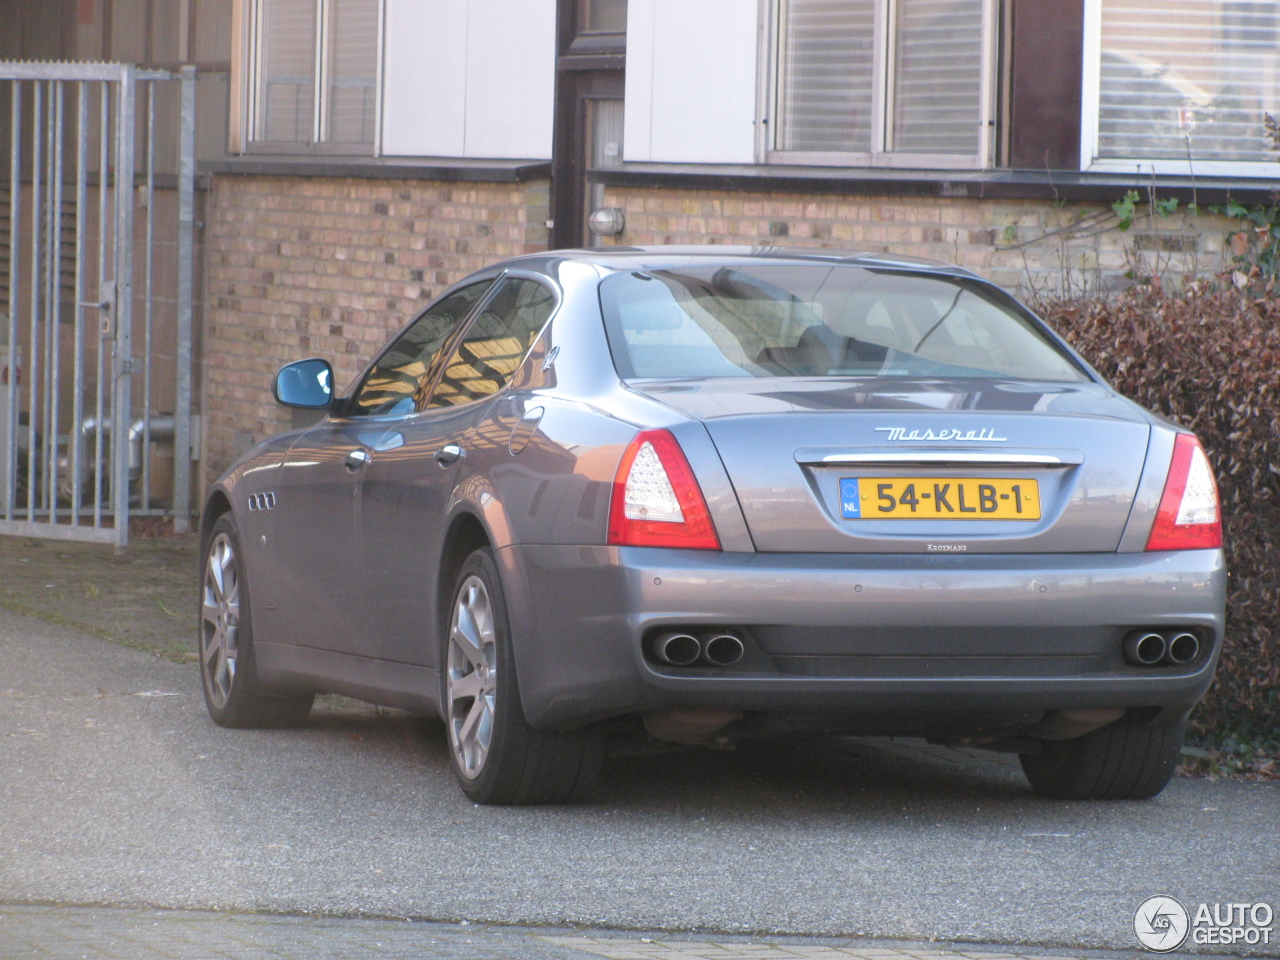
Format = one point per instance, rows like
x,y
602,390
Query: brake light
x,y
656,498
1189,517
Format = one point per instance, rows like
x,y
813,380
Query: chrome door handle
x,y
450,453
356,459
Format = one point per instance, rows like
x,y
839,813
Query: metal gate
x,y
87,402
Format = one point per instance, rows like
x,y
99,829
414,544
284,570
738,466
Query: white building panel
x,y
423,78
468,78
511,75
691,81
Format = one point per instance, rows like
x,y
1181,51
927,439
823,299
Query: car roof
x,y
616,259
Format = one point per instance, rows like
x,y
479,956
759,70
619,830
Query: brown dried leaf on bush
x,y
1208,357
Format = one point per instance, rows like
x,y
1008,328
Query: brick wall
x,y
328,267
1027,246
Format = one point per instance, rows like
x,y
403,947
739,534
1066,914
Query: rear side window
x,y
494,345
820,321
400,380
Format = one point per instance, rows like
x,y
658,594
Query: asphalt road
x,y
115,788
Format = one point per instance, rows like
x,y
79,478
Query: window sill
x,y
287,148
964,184
382,168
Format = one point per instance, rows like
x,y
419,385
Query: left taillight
x,y
1189,517
656,498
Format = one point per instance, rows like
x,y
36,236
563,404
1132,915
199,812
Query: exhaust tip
x,y
1144,648
676,649
722,649
1183,648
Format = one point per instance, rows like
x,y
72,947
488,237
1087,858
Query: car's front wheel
x,y
231,689
497,756
1126,760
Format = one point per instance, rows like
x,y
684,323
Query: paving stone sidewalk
x,y
99,933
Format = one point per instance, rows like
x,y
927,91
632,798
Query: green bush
x,y
1208,357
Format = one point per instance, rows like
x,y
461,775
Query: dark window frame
x,y
574,39
588,66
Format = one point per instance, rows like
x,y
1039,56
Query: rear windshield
x,y
819,321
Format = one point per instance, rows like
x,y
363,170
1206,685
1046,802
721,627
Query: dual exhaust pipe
x,y
1147,648
716,648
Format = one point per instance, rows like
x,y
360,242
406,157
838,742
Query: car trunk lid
x,y
925,466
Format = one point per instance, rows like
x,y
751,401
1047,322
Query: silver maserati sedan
x,y
711,494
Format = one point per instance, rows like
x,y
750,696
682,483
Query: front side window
x,y
315,69
820,321
495,344
1186,84
399,383
884,81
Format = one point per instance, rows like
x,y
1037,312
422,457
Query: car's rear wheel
x,y
497,756
231,689
1126,760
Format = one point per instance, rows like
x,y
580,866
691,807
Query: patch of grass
x,y
143,599
171,651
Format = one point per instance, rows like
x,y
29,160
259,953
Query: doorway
x,y
589,112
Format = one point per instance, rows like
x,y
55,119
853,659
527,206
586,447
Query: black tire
x,y
224,645
1125,760
497,757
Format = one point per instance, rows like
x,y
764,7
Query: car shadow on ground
x,y
877,771
818,771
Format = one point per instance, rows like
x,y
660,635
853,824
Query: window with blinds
x,y
1188,79
882,77
827,65
317,70
286,83
937,76
353,70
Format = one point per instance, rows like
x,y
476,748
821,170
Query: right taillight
x,y
1188,518
656,498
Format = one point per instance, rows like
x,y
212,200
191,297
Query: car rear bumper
x,y
858,635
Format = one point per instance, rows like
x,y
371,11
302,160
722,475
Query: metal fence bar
x,y
75,438
148,279
30,70
59,531
15,283
52,466
186,228
104,310
33,365
50,292
54,301
122,369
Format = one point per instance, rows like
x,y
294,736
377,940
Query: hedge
x,y
1208,357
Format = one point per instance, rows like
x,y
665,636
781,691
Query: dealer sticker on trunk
x,y
927,498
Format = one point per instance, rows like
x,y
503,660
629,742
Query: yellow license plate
x,y
926,498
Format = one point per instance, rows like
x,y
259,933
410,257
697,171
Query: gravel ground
x,y
119,791
146,599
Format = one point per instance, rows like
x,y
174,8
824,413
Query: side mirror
x,y
307,384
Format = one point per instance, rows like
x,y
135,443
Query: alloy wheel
x,y
471,677
220,620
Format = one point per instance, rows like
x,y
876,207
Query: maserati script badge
x,y
986,435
